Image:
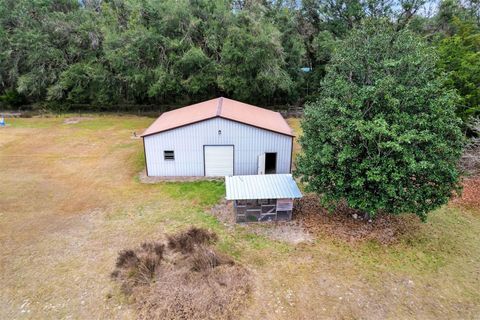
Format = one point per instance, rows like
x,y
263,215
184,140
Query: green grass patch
x,y
137,161
255,241
229,246
445,240
203,193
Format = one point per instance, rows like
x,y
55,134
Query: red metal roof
x,y
223,108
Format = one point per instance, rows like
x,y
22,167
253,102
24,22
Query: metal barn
x,y
262,197
218,137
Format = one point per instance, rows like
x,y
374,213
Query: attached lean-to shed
x,y
262,197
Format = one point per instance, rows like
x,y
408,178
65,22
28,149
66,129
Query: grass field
x,y
70,199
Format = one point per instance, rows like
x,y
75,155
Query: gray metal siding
x,y
188,141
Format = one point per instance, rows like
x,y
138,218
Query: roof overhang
x,y
220,108
143,135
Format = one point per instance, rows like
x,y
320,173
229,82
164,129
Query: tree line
x,y
102,53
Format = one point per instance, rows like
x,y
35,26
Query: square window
x,y
168,155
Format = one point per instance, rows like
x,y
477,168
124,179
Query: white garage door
x,y
218,161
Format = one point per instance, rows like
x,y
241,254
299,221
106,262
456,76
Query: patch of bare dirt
x,y
223,211
75,120
150,180
286,231
347,225
185,278
470,197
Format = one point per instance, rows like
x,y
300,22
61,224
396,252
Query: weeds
x,y
186,242
205,258
187,279
137,267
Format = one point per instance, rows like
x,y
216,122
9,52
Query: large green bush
x,y
383,135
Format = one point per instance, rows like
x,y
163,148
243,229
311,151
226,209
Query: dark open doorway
x,y
270,162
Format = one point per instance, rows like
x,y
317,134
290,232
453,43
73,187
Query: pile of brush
x,y
184,278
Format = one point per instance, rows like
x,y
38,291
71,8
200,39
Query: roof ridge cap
x,y
219,106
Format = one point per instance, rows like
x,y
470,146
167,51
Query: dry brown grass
x,y
137,267
189,240
205,258
190,281
60,185
70,200
219,293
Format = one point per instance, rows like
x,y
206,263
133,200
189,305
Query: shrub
x,y
194,281
12,99
186,241
138,266
383,136
205,258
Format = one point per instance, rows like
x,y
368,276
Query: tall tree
x,y
383,136
460,59
43,39
253,59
